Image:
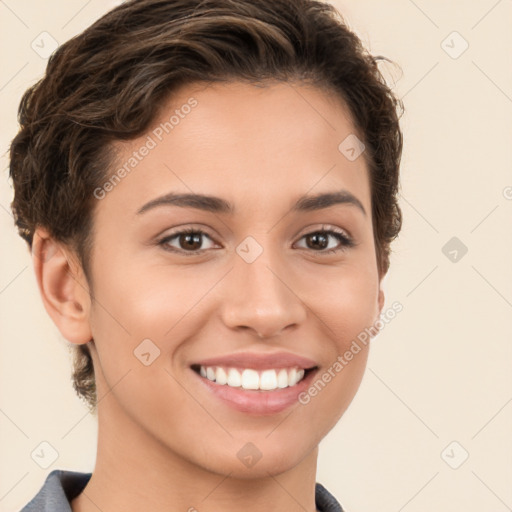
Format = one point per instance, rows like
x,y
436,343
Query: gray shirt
x,y
62,486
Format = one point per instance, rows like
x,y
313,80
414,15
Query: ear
x,y
380,301
63,287
381,298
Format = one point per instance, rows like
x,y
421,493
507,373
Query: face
x,y
256,283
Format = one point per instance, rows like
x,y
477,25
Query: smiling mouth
x,y
252,379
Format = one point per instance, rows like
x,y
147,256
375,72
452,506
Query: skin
x,y
162,439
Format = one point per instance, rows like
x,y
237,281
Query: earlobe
x,y
63,287
381,300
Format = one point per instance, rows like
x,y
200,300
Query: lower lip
x,y
257,401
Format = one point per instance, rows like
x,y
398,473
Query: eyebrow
x,y
218,205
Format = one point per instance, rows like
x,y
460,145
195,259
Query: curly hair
x,y
108,83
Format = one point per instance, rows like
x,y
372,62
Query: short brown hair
x,y
108,82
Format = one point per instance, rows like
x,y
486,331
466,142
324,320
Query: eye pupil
x,y
315,238
191,240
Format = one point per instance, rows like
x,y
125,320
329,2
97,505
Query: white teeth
x,y
250,379
266,380
282,378
234,378
220,376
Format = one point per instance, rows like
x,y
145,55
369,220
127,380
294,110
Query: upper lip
x,y
259,361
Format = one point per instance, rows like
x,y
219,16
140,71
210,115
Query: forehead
x,y
243,142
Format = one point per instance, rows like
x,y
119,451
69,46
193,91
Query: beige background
x,y
439,372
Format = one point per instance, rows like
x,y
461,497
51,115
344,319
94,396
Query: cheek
x,y
346,310
345,299
346,304
134,304
140,301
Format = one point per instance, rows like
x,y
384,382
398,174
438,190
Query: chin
x,y
260,458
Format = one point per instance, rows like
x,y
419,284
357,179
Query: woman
x,y
209,190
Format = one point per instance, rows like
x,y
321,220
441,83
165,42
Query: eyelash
x,y
345,241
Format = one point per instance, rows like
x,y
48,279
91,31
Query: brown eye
x,y
189,240
319,241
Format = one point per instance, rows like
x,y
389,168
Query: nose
x,y
261,298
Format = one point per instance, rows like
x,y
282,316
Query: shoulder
x,y
59,488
